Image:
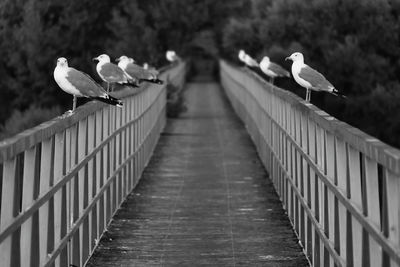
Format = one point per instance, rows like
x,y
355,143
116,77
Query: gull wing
x,y
84,83
316,79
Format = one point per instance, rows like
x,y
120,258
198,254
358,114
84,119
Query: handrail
x,y
62,181
28,138
340,186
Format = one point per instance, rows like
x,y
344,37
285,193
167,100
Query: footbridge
x,y
249,175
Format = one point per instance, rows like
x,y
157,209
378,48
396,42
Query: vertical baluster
x,y
82,188
106,163
305,180
373,208
124,172
100,174
392,198
29,255
58,196
341,172
73,211
8,208
45,176
356,199
330,171
320,150
118,177
91,188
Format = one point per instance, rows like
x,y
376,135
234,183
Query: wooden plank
x,y
393,217
99,174
58,172
356,199
8,195
30,178
82,188
373,208
91,182
45,176
341,177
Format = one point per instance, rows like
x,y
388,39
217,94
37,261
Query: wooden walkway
x,y
204,199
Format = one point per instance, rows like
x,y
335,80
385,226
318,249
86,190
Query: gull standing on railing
x,y
136,71
249,61
111,73
153,70
242,55
80,84
309,78
171,56
272,70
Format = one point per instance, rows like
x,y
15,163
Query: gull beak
x,y
95,58
288,58
118,59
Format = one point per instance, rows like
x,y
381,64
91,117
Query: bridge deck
x,y
204,198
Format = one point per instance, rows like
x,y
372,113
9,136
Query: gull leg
x,y
74,103
307,95
271,80
108,87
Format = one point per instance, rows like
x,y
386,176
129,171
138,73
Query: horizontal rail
x,y
62,181
12,146
339,186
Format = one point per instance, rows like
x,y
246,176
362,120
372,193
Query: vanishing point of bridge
x,y
288,185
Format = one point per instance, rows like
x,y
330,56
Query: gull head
x,y
171,52
102,58
242,55
297,56
265,60
122,59
62,62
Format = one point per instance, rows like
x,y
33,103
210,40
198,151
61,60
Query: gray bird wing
x,y
84,83
280,71
138,71
112,72
316,79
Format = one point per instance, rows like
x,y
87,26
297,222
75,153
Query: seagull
x,y
272,70
153,70
136,71
309,78
249,61
80,84
111,73
171,56
241,55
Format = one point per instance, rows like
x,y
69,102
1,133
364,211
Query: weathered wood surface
x,y
204,199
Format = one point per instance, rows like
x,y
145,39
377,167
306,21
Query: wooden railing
x,y
62,181
339,186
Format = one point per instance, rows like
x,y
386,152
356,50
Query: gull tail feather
x,y
132,83
337,93
157,81
109,100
